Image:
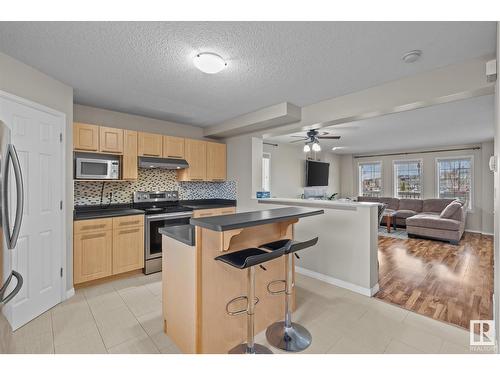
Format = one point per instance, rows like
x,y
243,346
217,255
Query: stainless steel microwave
x,y
97,169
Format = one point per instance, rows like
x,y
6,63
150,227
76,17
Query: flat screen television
x,y
317,173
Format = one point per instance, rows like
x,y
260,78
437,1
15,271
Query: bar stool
x,y
248,259
285,335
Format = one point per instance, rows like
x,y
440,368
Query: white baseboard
x,y
70,293
369,292
479,232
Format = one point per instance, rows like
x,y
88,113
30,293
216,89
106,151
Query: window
x,y
266,172
370,179
454,177
408,179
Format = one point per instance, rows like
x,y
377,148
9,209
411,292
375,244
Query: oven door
x,y
152,246
96,169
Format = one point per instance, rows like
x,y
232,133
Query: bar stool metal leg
x,y
285,335
250,347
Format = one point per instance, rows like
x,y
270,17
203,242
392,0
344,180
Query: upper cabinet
x,y
195,153
129,169
85,137
173,147
150,144
216,161
110,140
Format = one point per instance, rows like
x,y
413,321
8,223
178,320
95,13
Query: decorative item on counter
x,y
263,194
332,197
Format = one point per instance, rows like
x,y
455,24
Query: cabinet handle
x,y
174,156
130,222
135,230
90,236
218,179
206,214
96,226
196,179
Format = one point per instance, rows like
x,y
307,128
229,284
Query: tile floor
x,y
124,316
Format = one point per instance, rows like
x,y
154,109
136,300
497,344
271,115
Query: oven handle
x,y
168,216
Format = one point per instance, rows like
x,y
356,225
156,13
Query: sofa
x,y
421,217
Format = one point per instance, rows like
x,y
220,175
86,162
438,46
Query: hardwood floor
x,y
450,283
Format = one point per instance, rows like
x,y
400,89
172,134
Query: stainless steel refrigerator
x,y
9,231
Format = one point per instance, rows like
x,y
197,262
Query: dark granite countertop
x,y
183,233
249,219
98,212
202,204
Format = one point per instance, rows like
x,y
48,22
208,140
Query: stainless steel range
x,y
161,209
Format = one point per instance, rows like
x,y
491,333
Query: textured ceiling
x,y
146,68
462,122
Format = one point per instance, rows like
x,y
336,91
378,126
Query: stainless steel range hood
x,y
162,163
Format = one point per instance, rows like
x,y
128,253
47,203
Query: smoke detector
x,y
412,56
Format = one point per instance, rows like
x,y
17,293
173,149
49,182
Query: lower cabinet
x,y
126,243
105,247
92,256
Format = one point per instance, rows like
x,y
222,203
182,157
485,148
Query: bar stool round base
x,y
293,339
257,349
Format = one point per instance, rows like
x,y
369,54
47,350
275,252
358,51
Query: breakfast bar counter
x,y
197,288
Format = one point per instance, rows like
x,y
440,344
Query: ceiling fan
x,y
312,137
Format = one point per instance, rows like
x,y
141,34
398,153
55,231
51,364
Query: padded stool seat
x,y
247,258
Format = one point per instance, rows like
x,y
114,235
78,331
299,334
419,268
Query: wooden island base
x,y
196,288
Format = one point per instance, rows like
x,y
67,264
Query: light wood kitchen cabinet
x,y
92,250
129,171
105,247
216,161
150,144
195,152
110,140
85,137
128,244
173,147
214,212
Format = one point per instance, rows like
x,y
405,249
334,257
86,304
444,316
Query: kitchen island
x,y
197,288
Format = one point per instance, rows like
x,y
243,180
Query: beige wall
x,y
480,219
288,170
24,81
121,120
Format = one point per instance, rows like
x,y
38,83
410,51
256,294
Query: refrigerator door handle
x,y
12,238
19,278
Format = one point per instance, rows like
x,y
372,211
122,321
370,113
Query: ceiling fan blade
x,y
329,137
297,136
299,140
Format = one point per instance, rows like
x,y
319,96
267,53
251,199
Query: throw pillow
x,y
450,210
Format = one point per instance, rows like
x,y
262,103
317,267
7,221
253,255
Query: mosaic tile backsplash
x,y
89,192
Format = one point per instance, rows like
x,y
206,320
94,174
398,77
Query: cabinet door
x,y
173,147
216,161
128,249
150,144
129,171
85,137
92,256
196,156
110,140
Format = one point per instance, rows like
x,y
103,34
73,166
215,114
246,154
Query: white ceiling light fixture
x,y
307,148
412,56
316,147
209,62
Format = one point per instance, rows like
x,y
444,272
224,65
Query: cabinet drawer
x,y
128,221
227,210
214,212
94,225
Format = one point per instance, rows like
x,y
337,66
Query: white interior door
x,y
38,255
